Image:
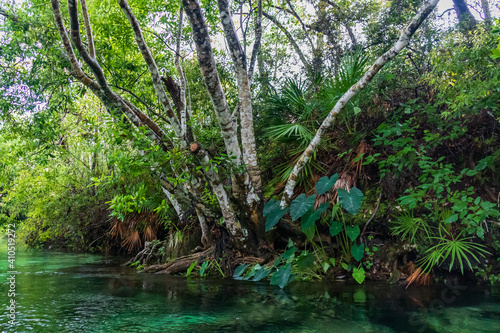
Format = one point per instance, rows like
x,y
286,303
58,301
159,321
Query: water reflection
x,y
61,292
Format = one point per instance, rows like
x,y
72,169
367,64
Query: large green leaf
x,y
274,217
203,268
305,260
282,276
301,205
358,274
309,232
270,206
312,216
288,253
353,232
352,200
324,184
358,251
261,273
335,228
239,270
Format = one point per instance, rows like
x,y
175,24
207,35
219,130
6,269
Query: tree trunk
x,y
465,18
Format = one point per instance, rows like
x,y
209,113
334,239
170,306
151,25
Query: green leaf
x,y
358,274
307,221
335,228
332,261
452,218
325,266
305,260
357,110
353,232
261,273
285,256
190,269
324,184
203,268
282,276
358,251
239,270
270,206
301,205
310,232
274,217
352,200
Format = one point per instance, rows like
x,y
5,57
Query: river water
x,y
64,292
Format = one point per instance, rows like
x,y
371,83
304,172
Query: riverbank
x,y
71,292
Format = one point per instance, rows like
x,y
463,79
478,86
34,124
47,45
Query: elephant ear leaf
x,y
301,205
335,228
274,217
353,232
282,276
358,251
324,184
352,200
270,206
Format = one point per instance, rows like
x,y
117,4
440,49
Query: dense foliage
x,y
408,174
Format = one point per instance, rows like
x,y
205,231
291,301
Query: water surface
x,y
64,292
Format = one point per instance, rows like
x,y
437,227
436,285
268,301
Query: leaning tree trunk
x,y
403,41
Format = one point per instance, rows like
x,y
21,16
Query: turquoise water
x,y
62,292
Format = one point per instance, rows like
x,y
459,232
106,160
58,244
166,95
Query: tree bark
x,y
256,44
403,41
208,69
88,29
153,70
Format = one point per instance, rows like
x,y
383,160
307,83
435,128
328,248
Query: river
x,y
66,292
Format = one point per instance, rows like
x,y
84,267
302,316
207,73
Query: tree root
x,y
180,264
144,255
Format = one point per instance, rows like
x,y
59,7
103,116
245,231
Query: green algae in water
x,y
63,292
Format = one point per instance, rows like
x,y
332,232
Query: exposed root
x,y
145,255
180,264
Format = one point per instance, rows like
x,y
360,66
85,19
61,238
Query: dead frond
x,y
149,234
418,278
133,241
118,229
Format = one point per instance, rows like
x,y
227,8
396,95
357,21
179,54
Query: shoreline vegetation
x,y
259,141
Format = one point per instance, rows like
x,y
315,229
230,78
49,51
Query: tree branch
x,y
256,44
88,28
294,13
244,96
153,70
292,41
210,75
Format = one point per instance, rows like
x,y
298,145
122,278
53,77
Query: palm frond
x,y
132,242
291,132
